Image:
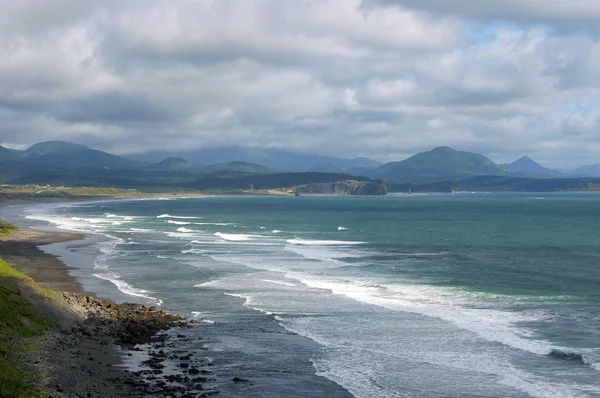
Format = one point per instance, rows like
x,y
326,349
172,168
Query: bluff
x,y
348,187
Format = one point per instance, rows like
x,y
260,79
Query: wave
x,y
179,222
127,288
185,230
342,228
180,217
566,355
197,314
491,325
278,282
126,218
193,251
276,231
213,223
421,254
306,242
140,230
236,237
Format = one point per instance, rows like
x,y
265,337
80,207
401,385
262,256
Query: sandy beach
x,y
86,356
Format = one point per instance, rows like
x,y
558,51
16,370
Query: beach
x,y
414,295
101,349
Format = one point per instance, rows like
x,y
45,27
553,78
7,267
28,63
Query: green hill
x,y
172,164
66,154
440,162
235,168
7,154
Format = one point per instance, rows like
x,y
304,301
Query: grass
x,y
18,321
6,228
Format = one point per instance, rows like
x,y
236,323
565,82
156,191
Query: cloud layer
x,y
378,78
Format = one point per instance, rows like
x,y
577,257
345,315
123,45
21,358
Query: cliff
x,y
348,187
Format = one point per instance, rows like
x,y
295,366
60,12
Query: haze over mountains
x,y
57,161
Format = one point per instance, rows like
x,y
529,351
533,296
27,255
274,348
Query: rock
x,y
239,379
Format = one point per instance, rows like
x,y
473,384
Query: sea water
x,y
465,295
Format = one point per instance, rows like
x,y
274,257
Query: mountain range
x,y
72,162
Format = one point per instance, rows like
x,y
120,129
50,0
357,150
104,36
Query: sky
x,y
347,78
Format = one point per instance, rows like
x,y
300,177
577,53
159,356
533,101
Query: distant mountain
x,y
326,168
7,154
528,166
592,170
235,168
171,164
273,158
442,162
66,154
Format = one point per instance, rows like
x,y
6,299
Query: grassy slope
x,y
18,321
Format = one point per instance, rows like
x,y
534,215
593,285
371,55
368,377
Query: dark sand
x,y
78,361
21,250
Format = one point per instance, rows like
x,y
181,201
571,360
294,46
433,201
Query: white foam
x,y
342,228
213,223
179,222
185,230
236,237
278,282
181,217
276,231
307,242
141,230
193,251
491,325
125,218
126,287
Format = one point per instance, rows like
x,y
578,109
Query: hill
x,y
66,154
7,154
528,166
592,170
235,168
272,158
172,164
489,183
440,162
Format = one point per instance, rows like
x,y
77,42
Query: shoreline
x,y
102,342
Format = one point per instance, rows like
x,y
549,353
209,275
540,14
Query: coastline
x,y
99,343
193,349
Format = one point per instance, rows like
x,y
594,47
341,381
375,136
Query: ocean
x,y
464,295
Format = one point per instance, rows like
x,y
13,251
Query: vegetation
x,y
442,161
6,228
502,183
18,321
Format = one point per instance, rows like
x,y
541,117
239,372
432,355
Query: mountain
x,y
592,170
528,166
7,154
326,168
172,164
273,158
66,154
235,168
441,162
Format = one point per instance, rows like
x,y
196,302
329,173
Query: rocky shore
x,y
83,358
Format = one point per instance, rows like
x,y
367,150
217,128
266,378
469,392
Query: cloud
x,y
341,77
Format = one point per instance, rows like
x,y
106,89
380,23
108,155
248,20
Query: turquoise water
x,y
494,295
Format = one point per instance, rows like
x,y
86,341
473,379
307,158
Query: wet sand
x,y
86,357
21,250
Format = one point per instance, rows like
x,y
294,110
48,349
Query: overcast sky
x,y
377,78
